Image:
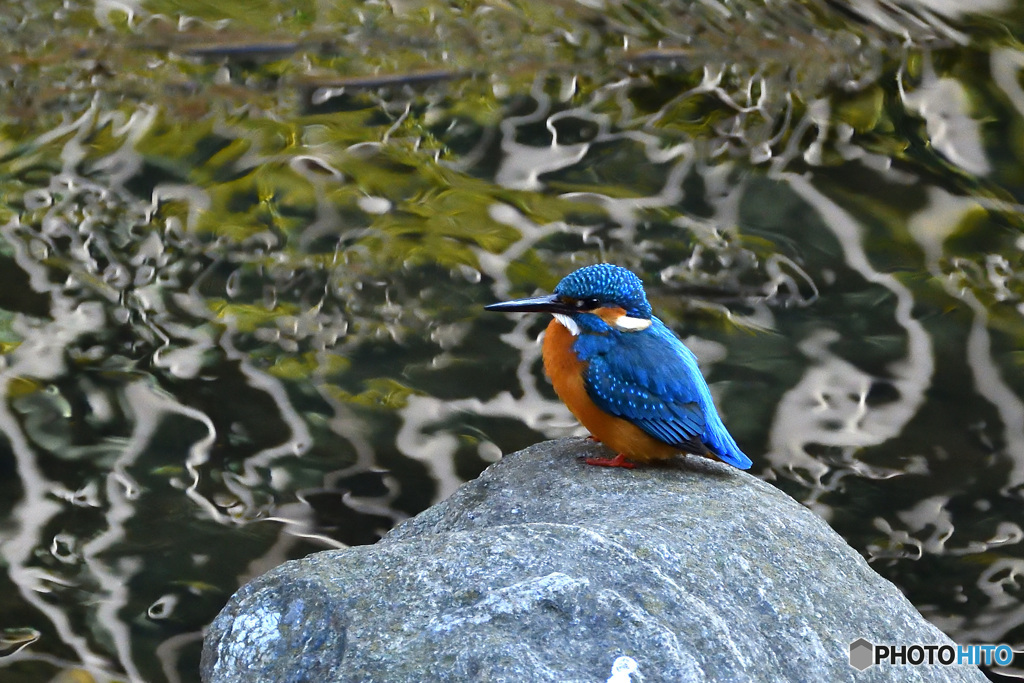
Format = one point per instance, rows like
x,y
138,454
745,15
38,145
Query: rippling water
x,y
243,255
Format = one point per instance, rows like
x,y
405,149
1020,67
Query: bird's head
x,y
596,298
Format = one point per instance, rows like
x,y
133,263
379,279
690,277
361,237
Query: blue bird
x,y
625,376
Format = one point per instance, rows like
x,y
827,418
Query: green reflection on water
x,y
282,220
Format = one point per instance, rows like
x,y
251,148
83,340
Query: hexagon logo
x,y
862,654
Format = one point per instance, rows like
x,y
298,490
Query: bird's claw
x,y
619,460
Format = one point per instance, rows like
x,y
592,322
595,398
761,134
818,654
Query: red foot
x,y
618,461
593,438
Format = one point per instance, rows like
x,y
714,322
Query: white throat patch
x,y
627,324
568,323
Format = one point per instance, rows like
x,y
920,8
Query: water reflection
x,y
829,406
235,339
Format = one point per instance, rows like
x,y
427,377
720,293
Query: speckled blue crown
x,y
613,285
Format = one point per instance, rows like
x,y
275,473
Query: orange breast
x,y
566,373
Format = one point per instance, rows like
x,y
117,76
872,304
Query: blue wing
x,y
652,380
665,409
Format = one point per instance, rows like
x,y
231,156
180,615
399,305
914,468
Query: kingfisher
x,y
626,376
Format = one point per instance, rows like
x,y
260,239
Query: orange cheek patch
x,y
616,317
610,315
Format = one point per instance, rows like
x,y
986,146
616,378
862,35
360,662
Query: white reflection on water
x,y
625,211
828,406
89,524
496,265
419,437
39,357
930,227
1006,64
523,164
1000,582
943,104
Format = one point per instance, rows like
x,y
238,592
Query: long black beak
x,y
550,303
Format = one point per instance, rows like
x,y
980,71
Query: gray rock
x,y
546,569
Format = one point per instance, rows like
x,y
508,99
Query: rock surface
x,y
546,569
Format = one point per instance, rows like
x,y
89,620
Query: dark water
x,y
244,251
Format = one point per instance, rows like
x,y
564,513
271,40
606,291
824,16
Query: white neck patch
x,y
568,323
627,324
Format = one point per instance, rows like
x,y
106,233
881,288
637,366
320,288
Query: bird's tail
x,y
736,458
724,446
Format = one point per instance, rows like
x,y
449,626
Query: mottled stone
x,y
547,569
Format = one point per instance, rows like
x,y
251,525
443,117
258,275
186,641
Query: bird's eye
x,y
588,304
